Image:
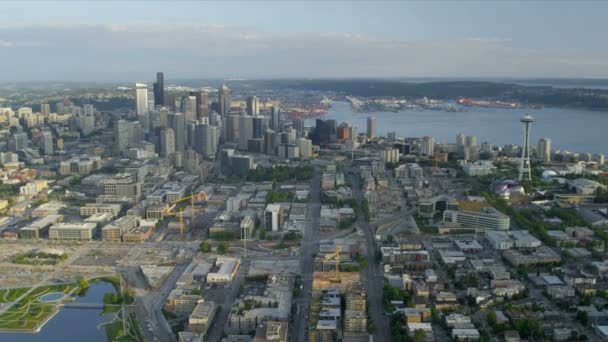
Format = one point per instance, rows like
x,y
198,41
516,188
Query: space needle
x,y
525,171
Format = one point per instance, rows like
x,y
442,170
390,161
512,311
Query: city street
x,y
373,280
310,246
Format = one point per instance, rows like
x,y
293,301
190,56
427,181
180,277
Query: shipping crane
x,y
199,197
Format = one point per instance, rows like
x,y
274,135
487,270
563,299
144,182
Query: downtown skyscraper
x,y
159,89
224,100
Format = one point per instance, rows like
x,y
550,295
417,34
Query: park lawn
x,y
29,312
10,295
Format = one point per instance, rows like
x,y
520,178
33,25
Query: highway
x,y
373,280
309,247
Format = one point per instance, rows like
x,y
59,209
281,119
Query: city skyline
x,y
275,40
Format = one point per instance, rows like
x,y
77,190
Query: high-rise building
x,y
460,139
544,149
45,109
271,141
324,132
298,125
159,89
525,169
121,136
260,125
275,119
206,140
224,100
47,143
232,128
188,106
202,103
164,117
371,127
305,146
177,122
167,142
427,146
245,131
253,106
134,133
141,99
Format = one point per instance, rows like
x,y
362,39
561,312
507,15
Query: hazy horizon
x,y
119,41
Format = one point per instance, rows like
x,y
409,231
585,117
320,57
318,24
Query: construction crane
x,y
199,197
336,257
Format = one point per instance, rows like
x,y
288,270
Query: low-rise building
x,y
72,231
225,270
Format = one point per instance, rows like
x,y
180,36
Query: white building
x,y
273,217
141,99
226,269
72,231
479,168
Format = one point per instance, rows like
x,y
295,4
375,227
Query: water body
x,y
575,130
72,324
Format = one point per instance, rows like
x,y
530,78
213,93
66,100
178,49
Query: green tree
x,y
223,247
419,335
205,246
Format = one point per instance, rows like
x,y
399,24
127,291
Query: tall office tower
x,y
324,132
343,131
298,124
224,101
486,147
88,109
460,139
135,133
260,125
47,143
188,105
601,159
232,128
86,123
391,136
206,140
271,141
544,149
305,146
45,109
202,103
371,127
60,107
159,89
245,131
141,99
191,134
354,133
472,151
525,170
471,141
121,132
253,106
164,117
213,117
21,141
177,123
154,120
167,142
275,119
427,146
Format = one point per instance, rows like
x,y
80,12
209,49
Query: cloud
x,y
72,50
6,44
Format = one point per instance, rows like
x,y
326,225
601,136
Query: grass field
x,y
29,312
10,295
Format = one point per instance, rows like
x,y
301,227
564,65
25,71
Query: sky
x,y
130,41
